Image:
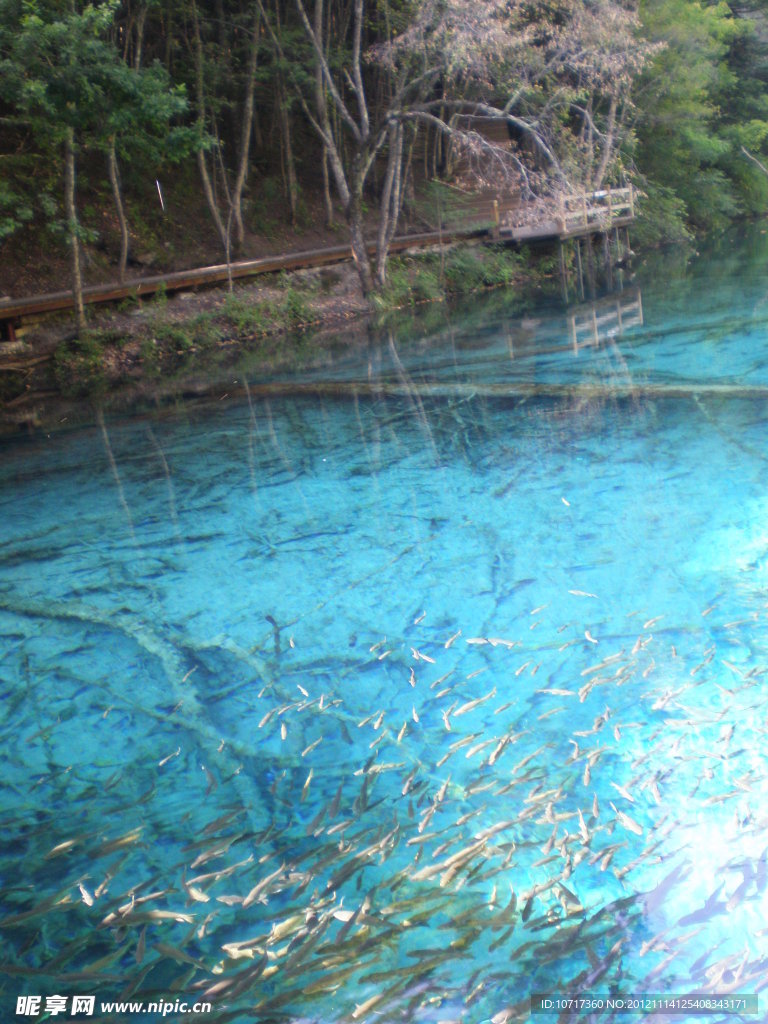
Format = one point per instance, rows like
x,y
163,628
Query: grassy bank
x,y
276,317
166,346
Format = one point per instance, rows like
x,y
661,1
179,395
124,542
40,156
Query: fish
x,y
62,848
420,656
470,705
128,839
141,945
625,793
627,822
480,746
195,894
258,889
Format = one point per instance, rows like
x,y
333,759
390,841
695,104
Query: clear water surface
x,y
406,689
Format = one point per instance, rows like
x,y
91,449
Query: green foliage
x,y
178,336
174,336
79,366
265,202
425,286
151,357
246,317
397,290
294,308
15,210
704,97
60,74
469,268
663,218
458,271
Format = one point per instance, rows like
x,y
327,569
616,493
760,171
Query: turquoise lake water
x,y
409,696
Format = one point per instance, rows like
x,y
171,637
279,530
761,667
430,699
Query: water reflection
x,y
602,322
401,699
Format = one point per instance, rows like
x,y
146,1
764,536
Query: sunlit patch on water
x,y
392,705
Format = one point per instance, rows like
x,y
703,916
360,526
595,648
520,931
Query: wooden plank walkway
x,y
204,276
579,215
488,218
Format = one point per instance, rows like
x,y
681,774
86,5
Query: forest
x,y
349,111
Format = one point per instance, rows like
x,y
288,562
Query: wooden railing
x,y
498,217
577,214
505,216
596,210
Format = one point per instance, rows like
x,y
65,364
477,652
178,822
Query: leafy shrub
x,y
78,366
244,315
295,308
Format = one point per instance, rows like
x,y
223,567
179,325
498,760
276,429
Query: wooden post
x,y
586,216
608,268
580,268
495,230
590,266
563,274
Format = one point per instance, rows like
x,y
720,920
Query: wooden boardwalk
x,y
486,218
579,215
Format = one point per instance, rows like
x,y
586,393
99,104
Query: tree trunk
x,y
354,214
116,193
389,208
608,143
245,137
140,22
320,103
203,167
289,169
210,198
327,201
72,226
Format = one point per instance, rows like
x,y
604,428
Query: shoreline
x,y
145,354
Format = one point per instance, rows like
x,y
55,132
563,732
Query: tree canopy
x,y
366,101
